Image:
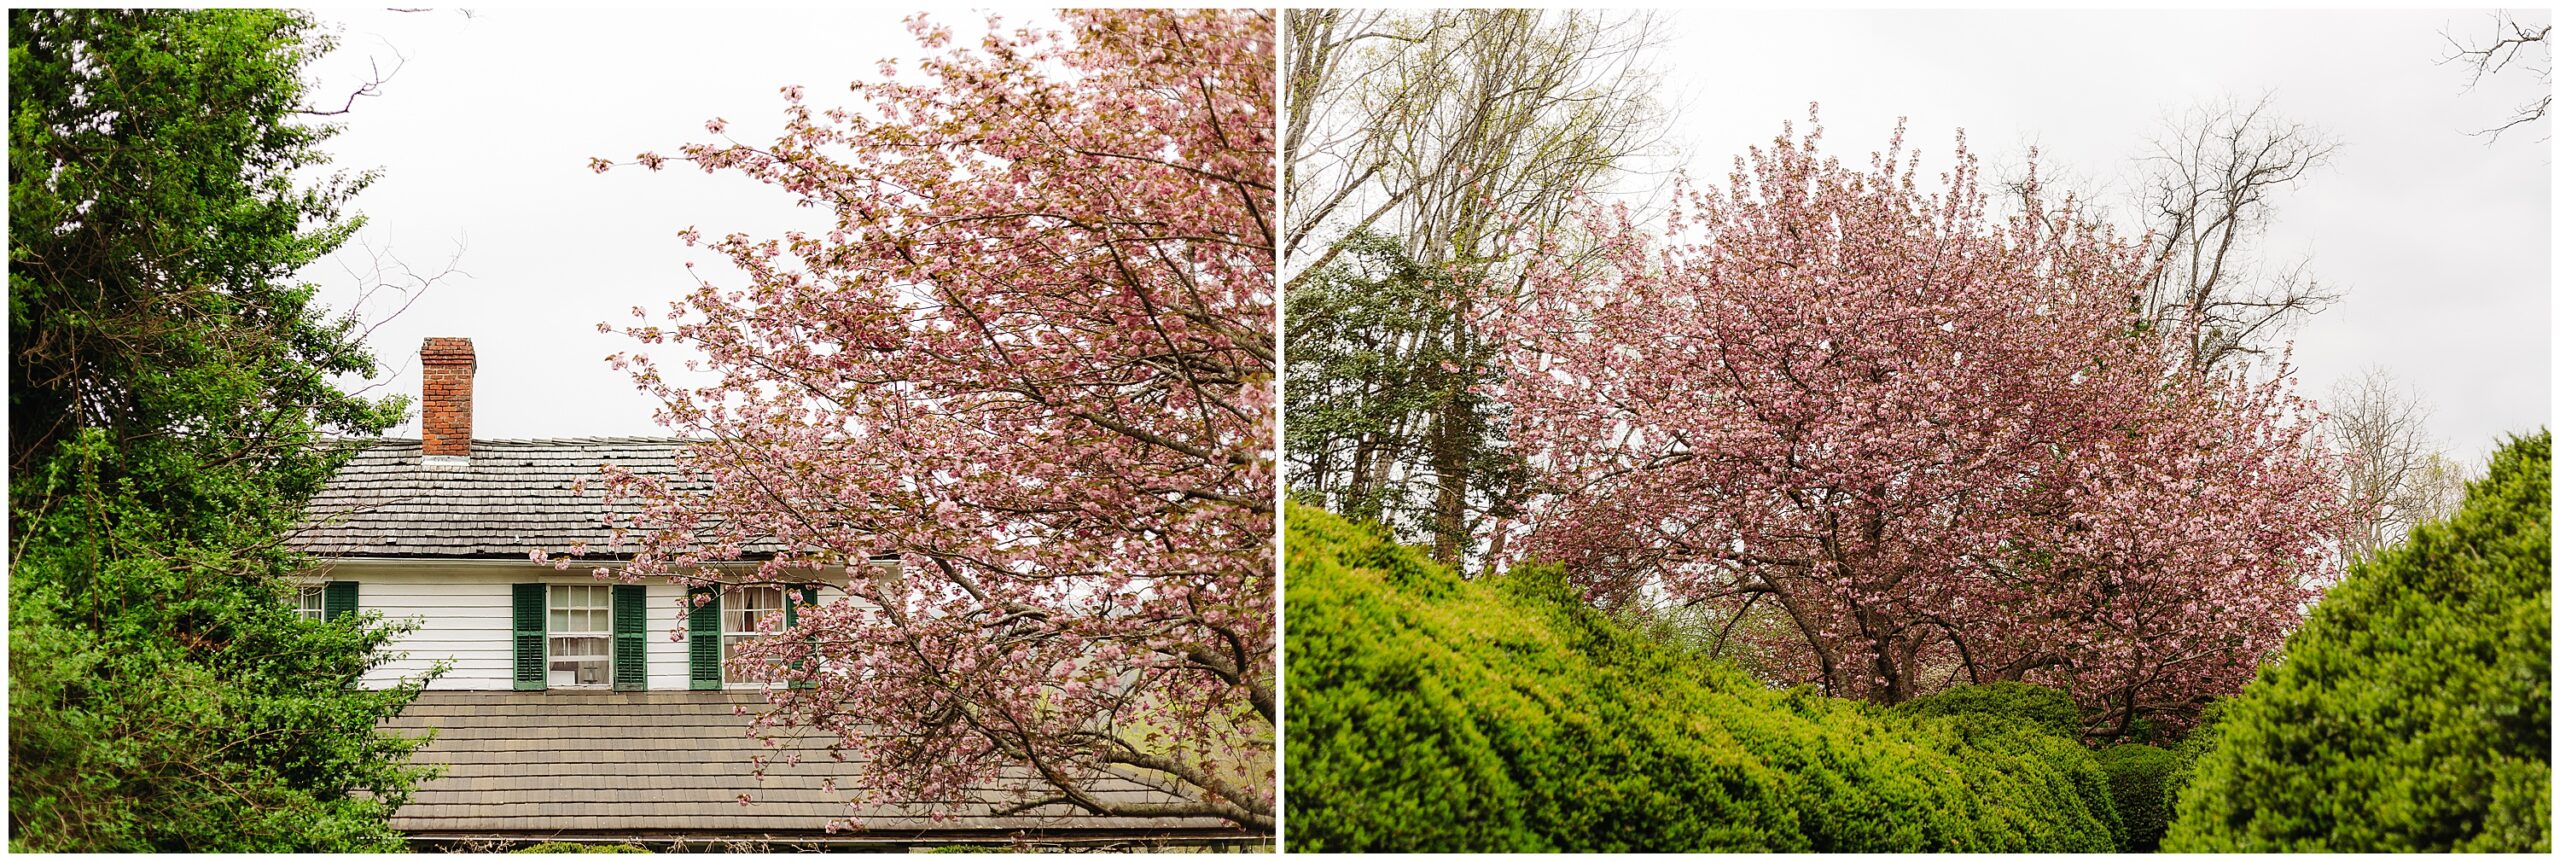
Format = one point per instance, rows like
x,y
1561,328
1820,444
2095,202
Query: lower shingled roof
x,y
583,764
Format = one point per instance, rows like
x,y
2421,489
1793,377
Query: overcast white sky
x,y
483,138
2442,241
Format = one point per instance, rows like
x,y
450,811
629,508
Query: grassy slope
x,y
1426,712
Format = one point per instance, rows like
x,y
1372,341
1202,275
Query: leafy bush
x,y
169,394
1432,713
2191,748
2016,702
2048,722
2412,712
2138,777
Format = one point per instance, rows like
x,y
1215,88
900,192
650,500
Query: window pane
x,y
749,606
581,609
581,660
581,620
742,611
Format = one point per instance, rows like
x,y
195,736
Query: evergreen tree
x,y
170,389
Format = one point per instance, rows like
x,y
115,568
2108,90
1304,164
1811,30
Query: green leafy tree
x,y
1420,142
2412,712
170,389
1377,355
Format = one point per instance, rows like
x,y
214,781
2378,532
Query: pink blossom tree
x,y
1920,444
1032,361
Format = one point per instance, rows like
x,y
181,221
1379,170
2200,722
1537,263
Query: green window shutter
x,y
338,599
702,639
630,637
532,646
803,594
808,595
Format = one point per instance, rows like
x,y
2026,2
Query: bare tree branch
x,y
2485,58
371,87
2396,478
2207,198
1441,133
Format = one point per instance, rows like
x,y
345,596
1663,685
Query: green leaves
x,y
1432,713
155,225
1382,390
168,390
2011,702
2412,711
2140,778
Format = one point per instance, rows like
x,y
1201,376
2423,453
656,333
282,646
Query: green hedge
x,y
2053,722
2017,702
2140,777
2190,749
1432,713
2412,711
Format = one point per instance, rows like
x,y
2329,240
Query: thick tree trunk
x,y
1453,449
1449,469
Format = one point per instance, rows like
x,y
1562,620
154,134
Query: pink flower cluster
x,y
1899,443
1033,361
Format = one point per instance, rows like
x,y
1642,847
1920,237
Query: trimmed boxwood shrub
x,y
2412,711
1432,713
2191,748
1998,707
2139,776
2017,702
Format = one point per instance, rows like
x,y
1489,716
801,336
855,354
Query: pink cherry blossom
x,y
1031,360
1909,444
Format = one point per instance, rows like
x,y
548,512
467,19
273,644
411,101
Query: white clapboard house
x,y
569,708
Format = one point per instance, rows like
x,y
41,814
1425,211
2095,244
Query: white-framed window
x,y
739,613
581,634
312,602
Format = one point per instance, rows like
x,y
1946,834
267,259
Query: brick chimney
x,y
444,425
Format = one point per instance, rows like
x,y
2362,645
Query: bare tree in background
x,y
1422,140
2396,478
2207,196
2509,42
1440,127
2435,489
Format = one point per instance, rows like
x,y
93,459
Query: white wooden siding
x,y
668,660
466,613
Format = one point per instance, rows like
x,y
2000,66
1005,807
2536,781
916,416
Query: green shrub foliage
x,y
1432,713
2412,711
169,387
2138,777
2190,748
2046,718
2014,702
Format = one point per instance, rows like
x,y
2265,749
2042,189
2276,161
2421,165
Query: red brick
x,y
445,414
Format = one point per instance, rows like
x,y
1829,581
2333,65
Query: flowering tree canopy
x,y
1909,444
1033,361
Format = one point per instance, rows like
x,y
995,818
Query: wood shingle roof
x,y
512,497
614,765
